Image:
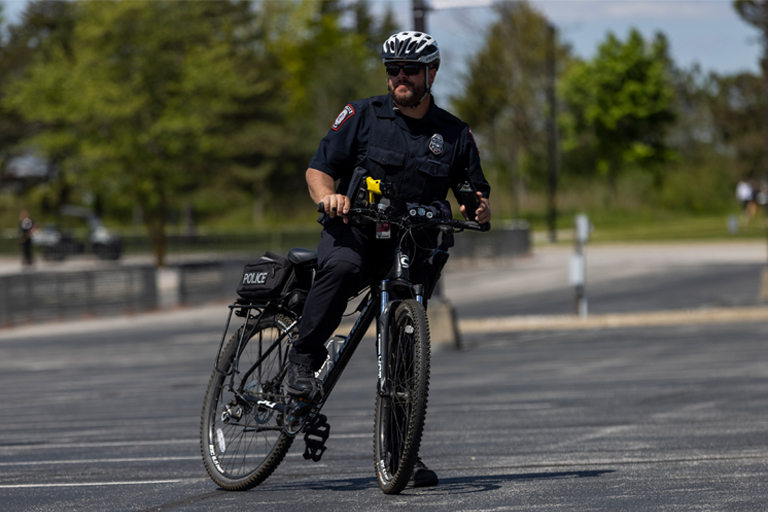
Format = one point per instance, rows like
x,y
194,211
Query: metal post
x,y
764,16
420,15
578,266
554,161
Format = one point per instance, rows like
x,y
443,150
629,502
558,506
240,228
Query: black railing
x,y
39,296
47,296
202,282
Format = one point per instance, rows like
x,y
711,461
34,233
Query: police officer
x,y
403,138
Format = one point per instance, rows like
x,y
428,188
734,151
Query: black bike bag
x,y
271,277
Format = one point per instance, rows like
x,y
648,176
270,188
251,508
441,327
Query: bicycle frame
x,y
247,407
378,304
381,295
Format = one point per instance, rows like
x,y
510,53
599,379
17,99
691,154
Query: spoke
x,y
250,439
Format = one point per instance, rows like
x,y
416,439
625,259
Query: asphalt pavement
x,y
103,414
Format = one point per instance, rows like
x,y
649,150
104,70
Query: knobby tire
x,y
240,453
399,418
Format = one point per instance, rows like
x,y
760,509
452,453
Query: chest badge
x,y
436,144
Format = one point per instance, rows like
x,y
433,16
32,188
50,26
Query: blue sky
x,y
707,32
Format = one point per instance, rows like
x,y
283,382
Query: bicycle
x,y
248,423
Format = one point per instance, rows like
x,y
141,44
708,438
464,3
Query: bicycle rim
x,y
242,442
399,418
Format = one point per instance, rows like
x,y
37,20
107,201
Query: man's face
x,y
407,90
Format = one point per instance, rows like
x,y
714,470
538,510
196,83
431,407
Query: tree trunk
x,y
155,220
258,210
157,235
613,178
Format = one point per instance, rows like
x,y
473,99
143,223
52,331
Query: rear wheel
x,y
241,430
399,418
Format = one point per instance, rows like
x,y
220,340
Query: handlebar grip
x,y
475,226
320,208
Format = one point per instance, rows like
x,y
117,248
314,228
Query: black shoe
x,y
301,382
422,476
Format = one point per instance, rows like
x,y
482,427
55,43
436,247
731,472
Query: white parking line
x,y
106,444
91,484
95,461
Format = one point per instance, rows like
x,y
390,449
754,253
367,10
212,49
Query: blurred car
x,y
56,243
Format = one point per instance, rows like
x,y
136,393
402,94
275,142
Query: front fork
x,y
386,311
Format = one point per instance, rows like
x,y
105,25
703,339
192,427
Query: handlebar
x,y
377,215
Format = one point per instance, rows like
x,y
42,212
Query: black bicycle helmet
x,y
411,47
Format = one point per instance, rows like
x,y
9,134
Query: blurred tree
x,y
737,104
619,103
504,96
43,24
147,103
709,140
330,63
693,125
324,55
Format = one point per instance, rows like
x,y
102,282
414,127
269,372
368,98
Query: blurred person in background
x,y
26,230
743,194
746,193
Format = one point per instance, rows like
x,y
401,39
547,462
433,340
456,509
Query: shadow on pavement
x,y
455,485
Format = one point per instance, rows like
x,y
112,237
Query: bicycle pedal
x,y
296,416
315,437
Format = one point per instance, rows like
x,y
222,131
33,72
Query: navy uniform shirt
x,y
423,158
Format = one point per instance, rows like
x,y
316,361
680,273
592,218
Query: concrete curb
x,y
216,313
607,321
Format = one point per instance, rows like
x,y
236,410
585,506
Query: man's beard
x,y
409,98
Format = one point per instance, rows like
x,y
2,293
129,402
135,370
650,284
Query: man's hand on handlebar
x,y
336,204
482,214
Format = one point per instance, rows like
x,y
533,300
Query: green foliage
x,y
737,104
217,107
504,99
699,185
138,105
619,103
753,12
149,100
325,65
159,104
44,22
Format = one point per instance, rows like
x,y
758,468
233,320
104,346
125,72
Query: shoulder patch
x,y
343,116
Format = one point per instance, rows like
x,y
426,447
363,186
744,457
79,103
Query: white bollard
x,y
578,265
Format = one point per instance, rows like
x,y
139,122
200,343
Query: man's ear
x,y
432,73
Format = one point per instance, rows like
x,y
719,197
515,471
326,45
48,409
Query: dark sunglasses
x,y
409,69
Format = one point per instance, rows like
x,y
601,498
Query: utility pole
x,y
755,12
420,9
552,142
764,19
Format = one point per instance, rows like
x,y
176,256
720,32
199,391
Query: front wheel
x,y
241,431
399,418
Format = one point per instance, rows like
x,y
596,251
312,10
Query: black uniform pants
x,y
349,258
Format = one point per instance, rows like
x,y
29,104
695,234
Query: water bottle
x,y
334,347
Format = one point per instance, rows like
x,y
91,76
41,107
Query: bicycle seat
x,y
297,255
